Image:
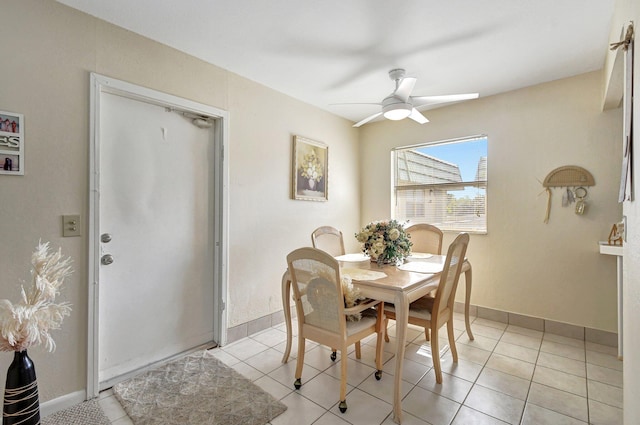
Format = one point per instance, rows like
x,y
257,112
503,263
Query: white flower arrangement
x,y
385,241
28,322
311,167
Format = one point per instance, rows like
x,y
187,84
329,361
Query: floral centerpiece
x,y
27,323
385,242
311,168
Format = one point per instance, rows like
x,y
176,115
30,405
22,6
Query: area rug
x,y
196,390
87,413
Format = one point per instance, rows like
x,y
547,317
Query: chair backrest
x,y
329,239
425,238
317,288
451,273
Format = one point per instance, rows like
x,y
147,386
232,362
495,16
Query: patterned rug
x,y
87,413
196,390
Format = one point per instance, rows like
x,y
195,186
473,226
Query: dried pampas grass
x,y
28,322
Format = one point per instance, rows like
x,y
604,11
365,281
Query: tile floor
x,y
507,375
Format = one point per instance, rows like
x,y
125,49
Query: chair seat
x,y
369,318
420,308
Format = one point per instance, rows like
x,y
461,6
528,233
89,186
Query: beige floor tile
x,y
559,401
516,351
488,331
511,366
564,340
473,354
536,415
452,387
523,340
363,409
504,383
607,394
468,416
603,414
430,407
564,350
495,404
605,360
604,374
560,380
564,364
481,342
300,410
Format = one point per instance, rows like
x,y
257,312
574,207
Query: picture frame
x,y
310,166
11,143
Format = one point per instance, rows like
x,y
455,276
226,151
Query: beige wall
x,y
552,271
53,50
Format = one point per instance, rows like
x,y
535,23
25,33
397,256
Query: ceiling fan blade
x,y
366,120
356,103
405,88
432,100
418,117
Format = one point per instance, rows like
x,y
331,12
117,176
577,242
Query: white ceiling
x,y
333,51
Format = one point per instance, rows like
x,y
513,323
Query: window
x,y
443,183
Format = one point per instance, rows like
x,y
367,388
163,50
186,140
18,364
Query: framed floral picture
x,y
11,143
310,170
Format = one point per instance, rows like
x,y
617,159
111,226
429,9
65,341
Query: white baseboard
x,y
52,406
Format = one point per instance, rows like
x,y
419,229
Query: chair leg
x,y
452,341
300,363
386,334
343,382
379,331
358,352
426,334
435,356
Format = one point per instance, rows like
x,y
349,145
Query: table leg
x,y
286,306
402,321
467,301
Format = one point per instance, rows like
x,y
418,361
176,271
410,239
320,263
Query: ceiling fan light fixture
x,y
397,111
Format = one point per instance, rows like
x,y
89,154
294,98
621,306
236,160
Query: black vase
x,y
21,404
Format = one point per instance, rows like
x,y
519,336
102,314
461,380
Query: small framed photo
x,y
310,170
11,143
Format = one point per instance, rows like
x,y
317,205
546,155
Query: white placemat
x,y
352,258
419,256
421,267
362,274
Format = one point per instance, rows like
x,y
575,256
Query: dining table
x,y
396,284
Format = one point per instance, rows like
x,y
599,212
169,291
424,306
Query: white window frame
x,y
469,223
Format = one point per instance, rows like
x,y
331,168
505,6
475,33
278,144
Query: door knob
x,y
106,259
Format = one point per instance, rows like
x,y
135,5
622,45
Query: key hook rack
x,y
569,176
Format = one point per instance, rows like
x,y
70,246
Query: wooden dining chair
x,y
322,316
328,239
433,313
426,239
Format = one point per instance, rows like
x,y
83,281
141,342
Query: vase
x,y
312,184
21,404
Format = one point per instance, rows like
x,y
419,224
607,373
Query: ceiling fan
x,y
400,104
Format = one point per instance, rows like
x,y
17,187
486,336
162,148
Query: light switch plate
x,y
71,225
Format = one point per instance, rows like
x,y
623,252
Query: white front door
x,y
157,242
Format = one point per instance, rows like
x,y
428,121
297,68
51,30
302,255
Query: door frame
x,y
99,86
